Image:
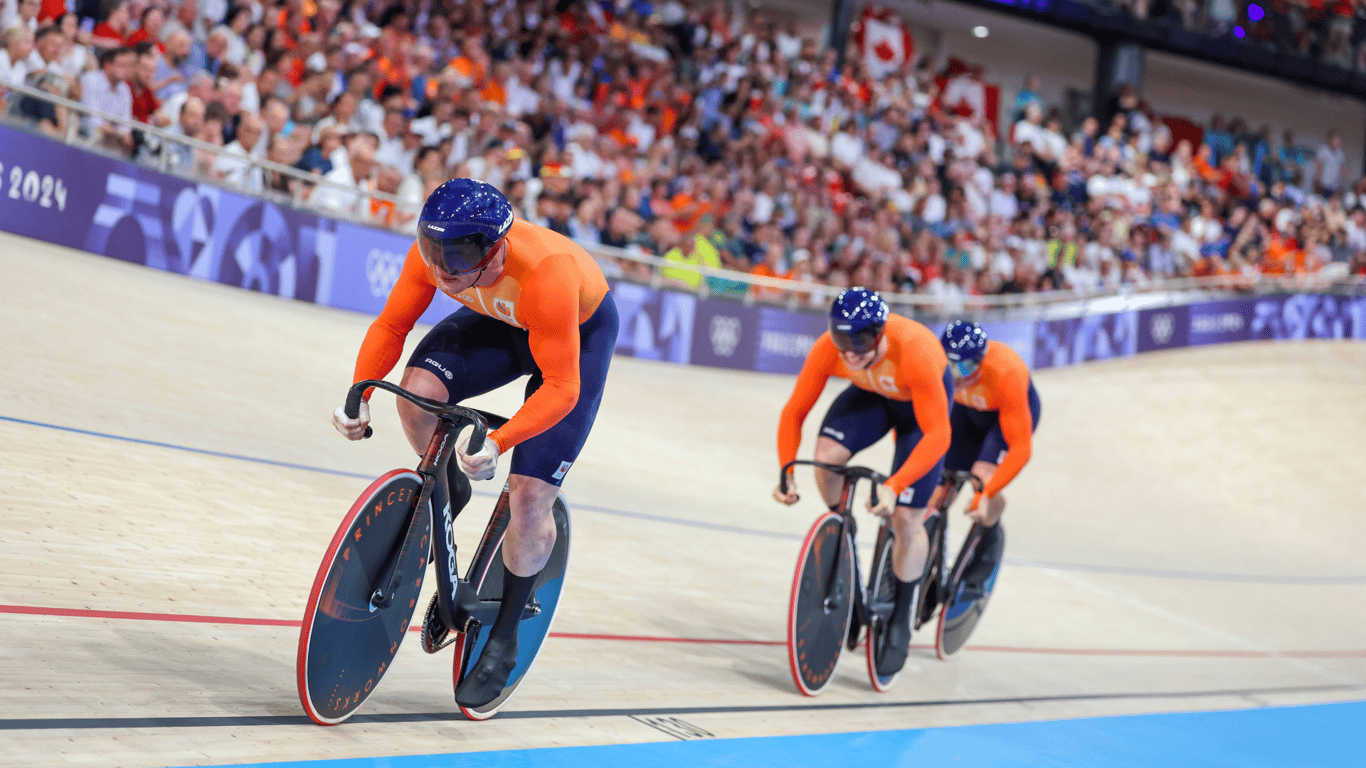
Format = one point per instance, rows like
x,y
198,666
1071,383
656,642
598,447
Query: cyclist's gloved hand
x,y
791,496
352,429
482,464
976,510
886,501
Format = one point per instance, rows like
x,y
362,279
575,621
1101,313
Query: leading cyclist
x,y
535,304
995,412
899,381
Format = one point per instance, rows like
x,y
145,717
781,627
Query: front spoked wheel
x,y
486,575
821,605
968,592
346,643
881,602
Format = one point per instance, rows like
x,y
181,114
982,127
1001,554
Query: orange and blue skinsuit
x,y
908,390
995,412
550,315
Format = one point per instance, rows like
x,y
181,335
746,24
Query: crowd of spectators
x,y
1330,31
693,133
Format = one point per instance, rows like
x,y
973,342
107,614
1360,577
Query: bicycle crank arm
x,y
471,619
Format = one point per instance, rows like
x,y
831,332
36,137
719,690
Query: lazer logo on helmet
x,y
435,228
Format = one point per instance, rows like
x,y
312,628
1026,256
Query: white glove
x,y
886,501
482,464
791,496
352,429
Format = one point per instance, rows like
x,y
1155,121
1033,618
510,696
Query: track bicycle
x,y
365,593
830,604
963,600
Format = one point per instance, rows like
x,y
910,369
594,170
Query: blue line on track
x,y
1083,567
1275,737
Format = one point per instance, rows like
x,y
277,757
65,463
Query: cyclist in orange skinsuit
x,y
995,412
536,304
899,381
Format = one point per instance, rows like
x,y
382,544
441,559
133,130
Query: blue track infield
x,y
1275,737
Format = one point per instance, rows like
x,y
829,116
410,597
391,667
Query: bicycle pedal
x,y
435,633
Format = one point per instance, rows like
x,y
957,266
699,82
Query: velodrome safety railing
x,y
660,273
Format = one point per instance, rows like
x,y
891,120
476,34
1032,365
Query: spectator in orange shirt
x,y
1203,157
771,266
470,65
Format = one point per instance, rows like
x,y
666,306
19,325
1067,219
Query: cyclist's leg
x,y
829,451
911,547
856,420
464,355
539,466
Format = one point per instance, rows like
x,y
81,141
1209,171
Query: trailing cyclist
x,y
995,412
899,381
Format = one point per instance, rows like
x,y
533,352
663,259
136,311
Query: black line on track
x,y
1061,566
95,723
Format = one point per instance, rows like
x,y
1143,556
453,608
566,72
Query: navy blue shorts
x,y
977,434
858,418
473,354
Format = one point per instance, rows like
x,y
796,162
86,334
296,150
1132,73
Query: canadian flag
x,y
883,40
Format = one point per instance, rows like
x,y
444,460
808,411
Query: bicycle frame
x,y
848,526
458,601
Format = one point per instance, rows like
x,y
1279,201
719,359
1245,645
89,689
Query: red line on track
x,y
87,613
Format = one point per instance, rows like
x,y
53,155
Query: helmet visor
x,y
858,342
965,368
457,256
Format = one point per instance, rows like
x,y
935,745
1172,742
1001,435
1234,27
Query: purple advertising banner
x,y
1078,340
1307,316
71,197
1219,322
785,338
366,267
1164,328
367,264
726,334
655,325
51,192
1018,334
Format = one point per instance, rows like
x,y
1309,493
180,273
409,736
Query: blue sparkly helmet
x,y
857,319
964,343
460,223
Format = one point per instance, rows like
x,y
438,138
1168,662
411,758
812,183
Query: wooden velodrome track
x,y
1188,536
